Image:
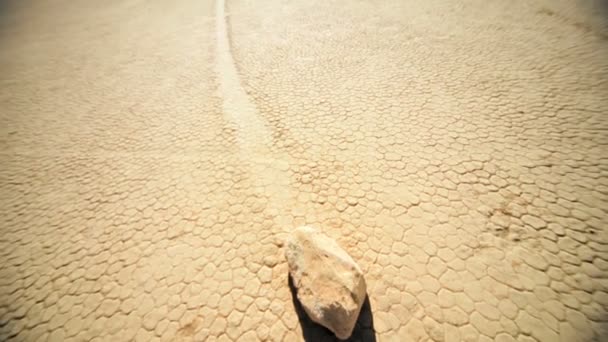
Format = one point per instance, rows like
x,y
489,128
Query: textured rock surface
x,y
329,283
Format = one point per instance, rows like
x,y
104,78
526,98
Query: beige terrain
x,y
154,153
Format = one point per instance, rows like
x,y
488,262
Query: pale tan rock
x,y
330,285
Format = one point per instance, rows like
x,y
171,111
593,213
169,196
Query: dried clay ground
x,y
153,155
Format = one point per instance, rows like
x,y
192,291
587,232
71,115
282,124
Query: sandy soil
x,y
153,154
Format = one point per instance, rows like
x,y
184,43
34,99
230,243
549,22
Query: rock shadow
x,y
311,331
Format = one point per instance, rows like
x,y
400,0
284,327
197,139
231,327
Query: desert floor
x,y
154,154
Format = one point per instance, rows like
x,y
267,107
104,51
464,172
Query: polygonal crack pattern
x,y
456,151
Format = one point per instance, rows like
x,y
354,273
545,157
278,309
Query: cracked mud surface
x,y
153,155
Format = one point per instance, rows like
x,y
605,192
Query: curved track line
x,y
254,138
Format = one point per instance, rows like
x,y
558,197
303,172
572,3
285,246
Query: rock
x,y
329,284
